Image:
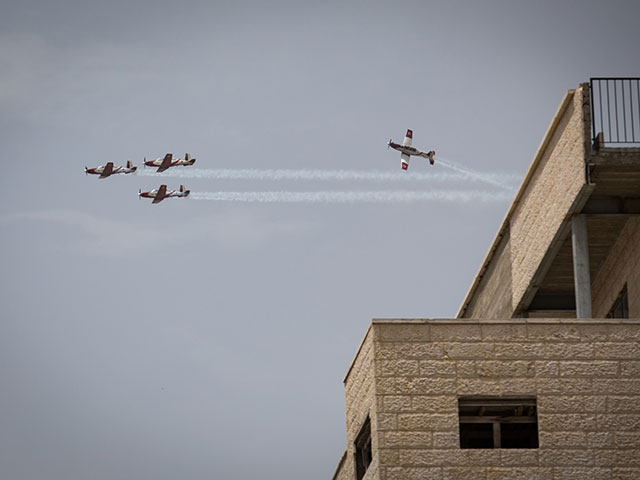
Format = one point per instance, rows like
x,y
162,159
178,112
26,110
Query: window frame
x,y
363,453
497,411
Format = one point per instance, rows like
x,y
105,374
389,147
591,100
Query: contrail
x,y
495,179
381,196
499,180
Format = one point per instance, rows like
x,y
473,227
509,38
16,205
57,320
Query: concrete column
x,y
581,275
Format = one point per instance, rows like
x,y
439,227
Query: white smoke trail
x,y
496,179
381,196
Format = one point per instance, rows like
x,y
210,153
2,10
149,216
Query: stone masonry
x,y
584,374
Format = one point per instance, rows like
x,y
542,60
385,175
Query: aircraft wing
x,y
108,170
166,163
404,159
408,138
161,194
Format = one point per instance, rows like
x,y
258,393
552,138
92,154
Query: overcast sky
x,y
201,339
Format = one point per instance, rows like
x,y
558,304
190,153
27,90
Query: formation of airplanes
x,y
406,151
163,163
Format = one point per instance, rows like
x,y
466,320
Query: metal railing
x,y
615,111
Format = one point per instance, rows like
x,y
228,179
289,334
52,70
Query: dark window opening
x,y
363,449
620,308
498,422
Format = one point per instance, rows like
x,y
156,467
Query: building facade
x,y
538,377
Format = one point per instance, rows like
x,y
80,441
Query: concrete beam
x,y
581,274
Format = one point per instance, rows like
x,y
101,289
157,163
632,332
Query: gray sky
x,y
208,339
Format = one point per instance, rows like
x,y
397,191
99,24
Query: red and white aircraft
x,y
407,150
106,170
168,161
161,193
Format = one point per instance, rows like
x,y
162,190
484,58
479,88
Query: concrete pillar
x,y
581,275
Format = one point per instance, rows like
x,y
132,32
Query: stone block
x,y
420,350
395,403
600,440
505,368
616,386
581,473
474,386
618,350
464,473
401,332
568,422
519,351
626,422
519,473
407,439
562,439
564,457
599,368
625,474
623,404
397,368
518,457
553,332
466,368
627,440
564,386
563,351
446,439
472,350
571,403
547,368
435,404
437,368
413,473
427,421
484,457
387,421
425,386
630,368
431,457
504,332
455,332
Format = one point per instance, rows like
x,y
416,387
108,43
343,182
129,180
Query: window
x,y
620,308
363,449
498,422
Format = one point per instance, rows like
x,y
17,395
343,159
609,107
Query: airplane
x,y
106,170
407,150
161,193
168,161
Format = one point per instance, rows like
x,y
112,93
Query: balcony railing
x,y
615,112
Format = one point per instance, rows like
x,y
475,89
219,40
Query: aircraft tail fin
x,y
129,164
432,156
187,157
181,188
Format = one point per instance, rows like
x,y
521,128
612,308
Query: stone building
x,y
538,377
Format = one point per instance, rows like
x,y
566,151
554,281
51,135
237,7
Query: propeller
x,y
144,162
139,193
86,170
389,144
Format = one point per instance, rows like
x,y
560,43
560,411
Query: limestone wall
x,y
360,402
622,266
552,189
585,376
550,195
